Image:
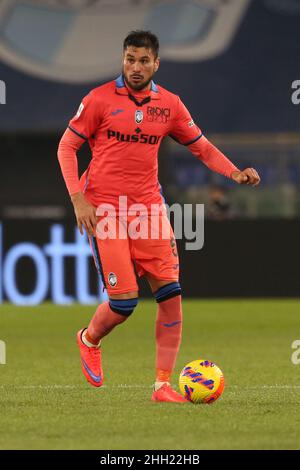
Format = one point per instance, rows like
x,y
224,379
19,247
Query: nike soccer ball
x,y
201,381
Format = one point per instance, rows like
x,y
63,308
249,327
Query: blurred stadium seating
x,y
232,62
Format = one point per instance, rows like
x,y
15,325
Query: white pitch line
x,y
68,387
136,386
260,387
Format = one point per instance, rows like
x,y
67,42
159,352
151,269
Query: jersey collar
x,y
121,88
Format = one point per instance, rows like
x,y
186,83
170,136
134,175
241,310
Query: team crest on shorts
x,y
139,116
112,279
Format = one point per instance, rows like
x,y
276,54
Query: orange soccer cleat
x,y
90,361
166,393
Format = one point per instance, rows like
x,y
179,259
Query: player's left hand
x,y
247,176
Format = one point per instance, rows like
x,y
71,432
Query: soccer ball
x,y
201,381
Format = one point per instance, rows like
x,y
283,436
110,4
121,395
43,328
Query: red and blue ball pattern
x,y
201,381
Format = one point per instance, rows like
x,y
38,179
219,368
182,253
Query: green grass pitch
x,y
46,402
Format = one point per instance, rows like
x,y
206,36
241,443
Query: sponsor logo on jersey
x,y
117,111
157,114
112,279
134,138
139,116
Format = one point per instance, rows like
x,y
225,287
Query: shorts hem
x,y
122,291
163,278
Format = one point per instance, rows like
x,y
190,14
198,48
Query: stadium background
x,y
238,86
233,64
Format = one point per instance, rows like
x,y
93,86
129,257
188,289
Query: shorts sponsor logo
x,y
139,116
112,279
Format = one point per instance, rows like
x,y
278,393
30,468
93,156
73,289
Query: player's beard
x,y
137,87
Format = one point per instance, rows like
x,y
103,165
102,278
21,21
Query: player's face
x,y
139,66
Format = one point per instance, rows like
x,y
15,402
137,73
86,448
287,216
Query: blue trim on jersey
x,y
77,133
154,87
187,143
121,84
194,140
174,138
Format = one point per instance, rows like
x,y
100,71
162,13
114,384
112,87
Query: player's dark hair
x,y
141,38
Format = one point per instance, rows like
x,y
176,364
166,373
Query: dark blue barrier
x,y
244,258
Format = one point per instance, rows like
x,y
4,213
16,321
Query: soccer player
x,y
124,122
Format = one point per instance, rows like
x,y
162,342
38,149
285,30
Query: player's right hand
x,y
247,176
85,214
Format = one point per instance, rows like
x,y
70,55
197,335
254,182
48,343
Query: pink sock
x,y
103,321
168,333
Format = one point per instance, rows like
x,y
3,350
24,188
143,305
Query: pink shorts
x,y
121,253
